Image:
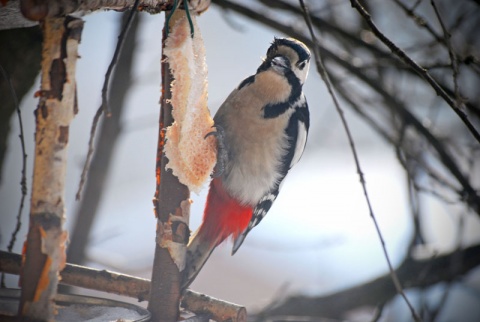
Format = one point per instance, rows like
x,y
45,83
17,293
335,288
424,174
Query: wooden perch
x,y
200,303
45,246
135,287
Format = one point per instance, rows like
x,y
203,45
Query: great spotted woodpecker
x,y
261,132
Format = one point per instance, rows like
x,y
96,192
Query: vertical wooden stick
x,y
172,208
44,255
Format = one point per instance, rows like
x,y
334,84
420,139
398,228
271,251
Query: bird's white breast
x,y
256,144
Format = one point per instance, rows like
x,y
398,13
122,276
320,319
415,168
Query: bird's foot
x,y
222,154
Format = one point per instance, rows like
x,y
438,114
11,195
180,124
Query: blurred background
x,y
420,162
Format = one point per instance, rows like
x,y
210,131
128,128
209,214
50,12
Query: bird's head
x,y
289,54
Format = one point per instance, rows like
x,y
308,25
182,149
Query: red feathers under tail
x,y
223,216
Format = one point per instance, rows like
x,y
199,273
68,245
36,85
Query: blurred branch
x,y
451,53
20,57
104,107
107,141
412,273
23,180
420,21
131,286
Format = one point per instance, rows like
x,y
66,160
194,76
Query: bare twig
x,y
118,49
109,133
86,166
23,180
420,21
451,53
104,108
420,70
322,71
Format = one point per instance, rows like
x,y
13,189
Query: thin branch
x,y
420,21
420,70
86,166
451,53
322,71
118,49
23,180
109,133
104,108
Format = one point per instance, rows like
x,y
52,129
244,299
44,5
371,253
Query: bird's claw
x,y
222,154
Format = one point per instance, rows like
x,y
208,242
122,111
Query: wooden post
x,y
44,252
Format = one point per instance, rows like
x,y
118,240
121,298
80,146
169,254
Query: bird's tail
x,y
223,217
199,250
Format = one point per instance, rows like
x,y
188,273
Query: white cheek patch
x,y
301,74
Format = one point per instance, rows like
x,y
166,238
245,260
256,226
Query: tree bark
x,y
45,246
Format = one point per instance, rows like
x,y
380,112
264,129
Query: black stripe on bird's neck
x,y
277,109
246,81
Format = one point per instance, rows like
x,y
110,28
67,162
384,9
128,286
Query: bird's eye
x,y
302,65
